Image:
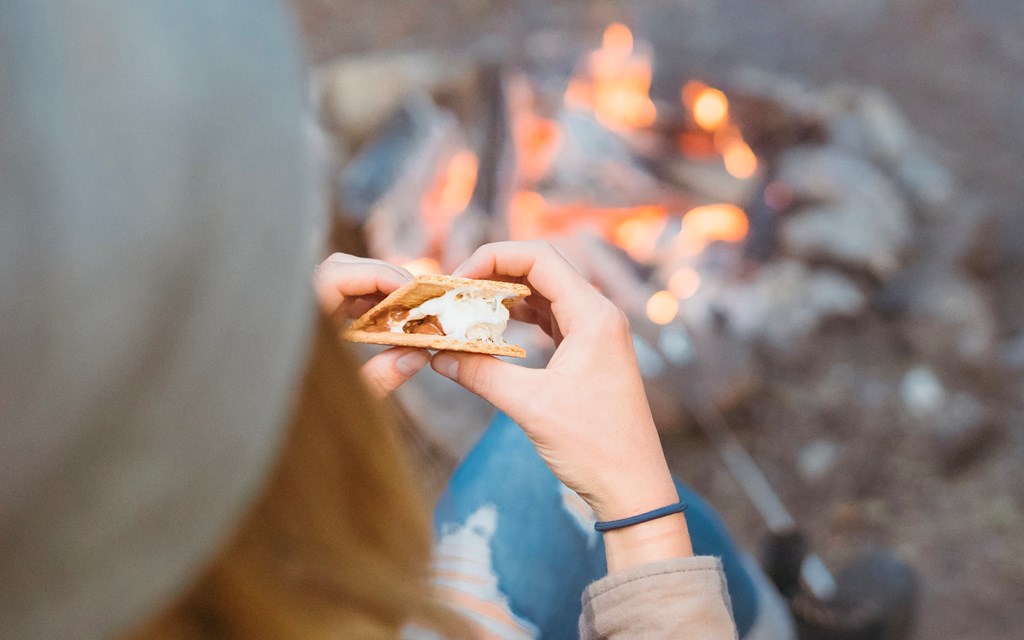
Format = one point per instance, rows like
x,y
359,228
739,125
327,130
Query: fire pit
x,y
730,223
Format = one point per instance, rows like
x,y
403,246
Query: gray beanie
x,y
159,221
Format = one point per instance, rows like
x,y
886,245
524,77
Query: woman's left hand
x,y
347,287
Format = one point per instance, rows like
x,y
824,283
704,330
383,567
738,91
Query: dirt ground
x,y
956,69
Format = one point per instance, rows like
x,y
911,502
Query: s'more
x,y
443,313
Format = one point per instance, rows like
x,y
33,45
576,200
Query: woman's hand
x,y
586,412
347,287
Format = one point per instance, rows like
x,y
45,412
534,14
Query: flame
x,y
615,82
459,182
536,138
639,235
449,196
739,159
422,266
662,307
697,144
617,37
684,283
710,223
526,215
710,109
536,141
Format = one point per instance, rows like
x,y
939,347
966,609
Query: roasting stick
x,y
813,572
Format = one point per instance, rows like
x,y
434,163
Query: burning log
x,y
397,184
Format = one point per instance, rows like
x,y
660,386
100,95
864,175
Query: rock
x,y
865,121
963,432
1011,353
922,393
853,214
950,319
782,304
358,92
816,459
928,184
384,185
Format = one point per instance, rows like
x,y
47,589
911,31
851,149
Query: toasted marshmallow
x,y
465,313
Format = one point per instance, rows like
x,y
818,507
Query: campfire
x,y
726,218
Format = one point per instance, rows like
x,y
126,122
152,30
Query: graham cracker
x,y
417,292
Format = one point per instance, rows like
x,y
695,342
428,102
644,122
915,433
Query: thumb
x,y
386,371
496,381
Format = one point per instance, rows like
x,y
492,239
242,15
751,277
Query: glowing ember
x,y
536,141
449,196
710,109
739,159
459,182
639,235
422,266
662,307
536,138
684,283
713,222
615,83
617,37
526,215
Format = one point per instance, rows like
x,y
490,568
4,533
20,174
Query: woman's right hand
x,y
586,412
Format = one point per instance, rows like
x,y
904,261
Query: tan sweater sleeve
x,y
682,599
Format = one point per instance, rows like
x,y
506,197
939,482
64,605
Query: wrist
x,y
662,539
631,499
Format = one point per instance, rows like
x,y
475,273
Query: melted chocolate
x,y
427,326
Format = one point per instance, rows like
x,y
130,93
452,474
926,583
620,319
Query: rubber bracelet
x,y
678,507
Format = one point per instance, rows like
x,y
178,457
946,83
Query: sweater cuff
x,y
661,599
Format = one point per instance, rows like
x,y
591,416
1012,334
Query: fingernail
x,y
446,365
411,362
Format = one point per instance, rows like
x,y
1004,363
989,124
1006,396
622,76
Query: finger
x,y
356,306
335,281
501,383
389,370
547,272
344,258
524,313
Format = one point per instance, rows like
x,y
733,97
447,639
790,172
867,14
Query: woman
x,y
160,212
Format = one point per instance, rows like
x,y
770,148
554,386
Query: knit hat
x,y
159,222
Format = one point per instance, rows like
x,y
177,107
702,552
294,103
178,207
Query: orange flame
x,y
536,140
639,235
617,37
739,159
449,196
662,307
710,223
710,109
459,182
684,283
526,215
615,83
422,266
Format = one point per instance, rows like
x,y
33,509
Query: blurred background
x,y
811,211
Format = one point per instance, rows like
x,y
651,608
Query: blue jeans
x,y
516,548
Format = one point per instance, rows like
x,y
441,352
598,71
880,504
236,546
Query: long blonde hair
x,y
337,545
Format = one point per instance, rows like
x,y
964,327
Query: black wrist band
x,y
678,507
